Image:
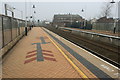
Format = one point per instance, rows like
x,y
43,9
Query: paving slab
x,y
24,60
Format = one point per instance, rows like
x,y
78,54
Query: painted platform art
x,y
39,54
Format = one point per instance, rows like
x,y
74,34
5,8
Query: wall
x,y
11,31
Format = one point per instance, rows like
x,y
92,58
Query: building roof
x,y
66,15
105,19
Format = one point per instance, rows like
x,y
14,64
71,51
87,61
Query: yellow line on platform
x,y
76,68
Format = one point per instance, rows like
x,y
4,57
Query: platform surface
x,y
110,33
37,56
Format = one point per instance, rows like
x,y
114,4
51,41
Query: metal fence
x,y
106,26
10,29
1,38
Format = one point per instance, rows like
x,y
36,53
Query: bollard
x,y
30,27
26,31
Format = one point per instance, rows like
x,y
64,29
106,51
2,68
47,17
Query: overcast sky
x,y
46,10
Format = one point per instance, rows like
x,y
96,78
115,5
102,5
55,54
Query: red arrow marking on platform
x,y
51,59
48,54
47,51
32,59
30,55
31,51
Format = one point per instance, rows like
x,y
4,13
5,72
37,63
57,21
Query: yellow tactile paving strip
x,y
81,67
14,67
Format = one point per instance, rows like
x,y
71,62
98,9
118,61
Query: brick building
x,y
61,20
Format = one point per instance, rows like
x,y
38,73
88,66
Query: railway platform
x,y
110,33
43,54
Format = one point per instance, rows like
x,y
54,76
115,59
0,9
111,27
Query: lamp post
x,y
84,20
114,26
34,15
26,18
71,19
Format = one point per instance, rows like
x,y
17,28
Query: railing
x,y
11,30
115,40
93,33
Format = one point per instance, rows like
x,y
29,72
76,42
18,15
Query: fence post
x,y
11,23
2,34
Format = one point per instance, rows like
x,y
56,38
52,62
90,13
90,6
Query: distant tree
x,y
106,10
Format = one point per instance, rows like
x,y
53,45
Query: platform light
x,y
34,11
82,10
112,1
30,16
33,6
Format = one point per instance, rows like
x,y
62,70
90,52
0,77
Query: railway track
x,y
107,52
